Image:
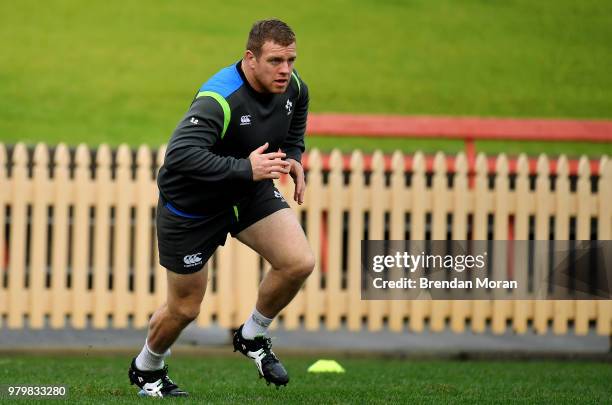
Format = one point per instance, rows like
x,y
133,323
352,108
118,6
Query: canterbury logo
x,y
245,120
191,260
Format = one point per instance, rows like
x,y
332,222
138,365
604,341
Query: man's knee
x,y
301,265
185,295
185,311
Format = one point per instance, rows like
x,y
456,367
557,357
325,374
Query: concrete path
x,y
376,342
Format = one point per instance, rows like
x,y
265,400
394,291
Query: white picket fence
x,y
77,249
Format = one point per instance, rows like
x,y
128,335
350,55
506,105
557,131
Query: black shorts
x,y
187,241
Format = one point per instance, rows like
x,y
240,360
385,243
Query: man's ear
x,y
249,58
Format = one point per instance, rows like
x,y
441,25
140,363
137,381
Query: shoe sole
x,y
278,385
143,393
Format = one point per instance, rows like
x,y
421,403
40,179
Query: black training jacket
x,y
206,168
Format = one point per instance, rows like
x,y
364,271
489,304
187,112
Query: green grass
x,y
118,71
233,380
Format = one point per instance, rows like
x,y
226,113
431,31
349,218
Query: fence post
x,y
142,238
524,202
356,225
542,311
38,252
333,277
440,309
419,309
481,204
80,241
562,308
101,274
501,309
399,204
585,310
312,288
17,248
460,309
376,308
121,237
61,200
4,197
604,229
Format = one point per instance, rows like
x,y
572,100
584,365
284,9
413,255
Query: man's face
x,y
272,69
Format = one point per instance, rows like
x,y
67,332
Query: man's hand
x,y
267,165
297,174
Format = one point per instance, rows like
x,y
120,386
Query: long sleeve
x,y
190,148
294,142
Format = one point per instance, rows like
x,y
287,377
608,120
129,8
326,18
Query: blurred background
x,y
119,71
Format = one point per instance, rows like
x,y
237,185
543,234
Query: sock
x,y
257,324
148,360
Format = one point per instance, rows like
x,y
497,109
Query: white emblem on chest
x,y
245,120
289,107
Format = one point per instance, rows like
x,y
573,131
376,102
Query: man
x,y
245,127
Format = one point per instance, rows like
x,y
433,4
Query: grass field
x,y
234,380
119,71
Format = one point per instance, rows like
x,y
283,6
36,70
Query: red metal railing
x,y
467,129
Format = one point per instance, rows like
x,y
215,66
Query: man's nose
x,y
285,68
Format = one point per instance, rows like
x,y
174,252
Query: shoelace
x,y
169,385
267,348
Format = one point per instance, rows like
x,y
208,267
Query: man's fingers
x,y
276,165
298,194
275,162
273,155
271,175
281,169
262,148
300,187
302,191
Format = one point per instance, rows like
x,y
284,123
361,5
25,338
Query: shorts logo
x,y
277,194
192,260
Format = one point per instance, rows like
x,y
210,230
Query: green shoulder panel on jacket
x,y
227,112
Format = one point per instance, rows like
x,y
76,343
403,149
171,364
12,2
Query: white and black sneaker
x,y
154,383
260,351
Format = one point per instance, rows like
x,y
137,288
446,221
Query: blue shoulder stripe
x,y
224,82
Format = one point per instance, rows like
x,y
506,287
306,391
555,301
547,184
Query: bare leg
x,y
276,291
185,294
279,238
147,371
